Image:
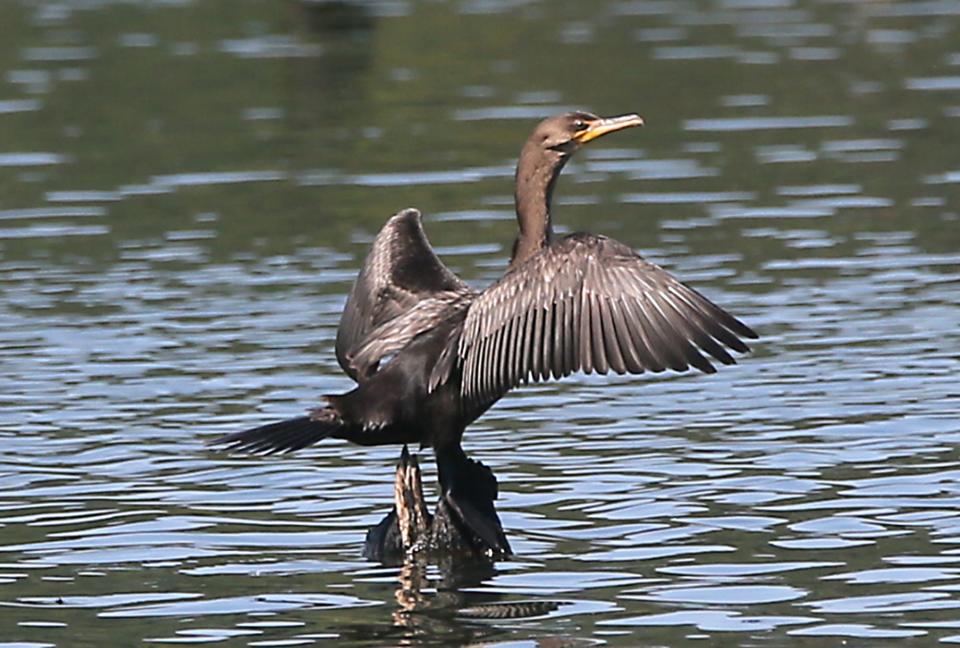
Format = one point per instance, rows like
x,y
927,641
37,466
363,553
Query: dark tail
x,y
286,436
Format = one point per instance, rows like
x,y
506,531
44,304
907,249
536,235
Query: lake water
x,y
187,190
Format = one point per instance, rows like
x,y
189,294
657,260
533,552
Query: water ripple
x,y
176,251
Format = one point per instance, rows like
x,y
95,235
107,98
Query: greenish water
x,y
187,190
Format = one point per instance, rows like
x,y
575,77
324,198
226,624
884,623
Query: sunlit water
x,y
186,192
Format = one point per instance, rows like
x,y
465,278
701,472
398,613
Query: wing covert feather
x,y
400,271
591,304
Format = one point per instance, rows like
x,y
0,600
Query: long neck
x,y
537,172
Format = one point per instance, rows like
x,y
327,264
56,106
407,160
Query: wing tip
x,y
707,367
737,326
747,332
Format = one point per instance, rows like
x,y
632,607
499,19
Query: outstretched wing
x,y
589,303
400,271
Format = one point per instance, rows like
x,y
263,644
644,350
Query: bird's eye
x,y
579,125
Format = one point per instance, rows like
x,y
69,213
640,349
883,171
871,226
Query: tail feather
x,y
285,436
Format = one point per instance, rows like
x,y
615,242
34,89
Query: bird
x,y
429,354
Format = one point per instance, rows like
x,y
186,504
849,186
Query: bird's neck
x,y
536,176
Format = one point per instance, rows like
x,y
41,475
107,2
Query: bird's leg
x,y
407,527
412,516
466,518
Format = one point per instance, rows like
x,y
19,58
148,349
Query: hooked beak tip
x,y
607,125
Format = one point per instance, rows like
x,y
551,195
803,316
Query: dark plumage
x,y
430,355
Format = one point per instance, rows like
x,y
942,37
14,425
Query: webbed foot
x,y
465,523
383,541
466,518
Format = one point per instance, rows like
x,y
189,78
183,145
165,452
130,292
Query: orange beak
x,y
604,125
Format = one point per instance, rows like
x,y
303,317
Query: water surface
x,y
187,191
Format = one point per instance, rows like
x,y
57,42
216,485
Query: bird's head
x,y
568,132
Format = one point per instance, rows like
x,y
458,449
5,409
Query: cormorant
x,y
430,355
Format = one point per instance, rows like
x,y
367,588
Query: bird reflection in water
x,y
430,354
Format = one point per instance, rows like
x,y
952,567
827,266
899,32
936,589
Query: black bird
x,y
430,354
